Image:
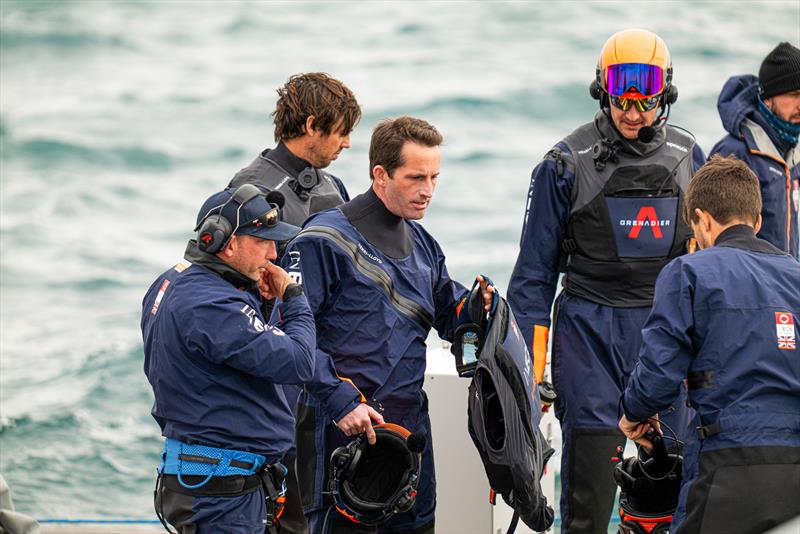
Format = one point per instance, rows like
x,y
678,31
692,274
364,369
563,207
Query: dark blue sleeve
x,y
535,275
230,331
698,157
667,348
314,264
342,188
447,293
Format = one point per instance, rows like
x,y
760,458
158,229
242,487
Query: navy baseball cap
x,y
248,212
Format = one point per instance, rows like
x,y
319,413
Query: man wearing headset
x,y
602,207
724,319
313,119
377,283
216,367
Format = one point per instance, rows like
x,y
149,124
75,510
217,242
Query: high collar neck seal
x,y
605,126
378,225
216,265
286,159
744,237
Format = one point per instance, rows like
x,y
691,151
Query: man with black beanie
x,y
762,117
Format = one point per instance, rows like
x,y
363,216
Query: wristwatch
x,y
292,290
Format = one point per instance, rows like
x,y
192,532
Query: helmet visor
x,y
647,80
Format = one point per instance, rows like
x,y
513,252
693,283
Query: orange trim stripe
x,y
348,516
396,428
363,398
459,306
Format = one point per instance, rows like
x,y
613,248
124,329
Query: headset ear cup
x,y
672,95
594,90
355,456
213,234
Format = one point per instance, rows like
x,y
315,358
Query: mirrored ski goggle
x,y
646,79
642,104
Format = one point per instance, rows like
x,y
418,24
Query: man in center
x,y
603,207
376,283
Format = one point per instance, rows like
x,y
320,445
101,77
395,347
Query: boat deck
x,y
82,528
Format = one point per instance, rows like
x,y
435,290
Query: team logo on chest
x,y
784,326
645,218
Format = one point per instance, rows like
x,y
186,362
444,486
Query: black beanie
x,y
780,71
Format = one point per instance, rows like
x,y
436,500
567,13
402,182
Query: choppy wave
x,y
118,118
50,152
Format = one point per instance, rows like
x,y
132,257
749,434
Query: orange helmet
x,y
635,65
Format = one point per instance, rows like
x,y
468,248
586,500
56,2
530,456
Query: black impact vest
x,y
626,219
503,414
269,175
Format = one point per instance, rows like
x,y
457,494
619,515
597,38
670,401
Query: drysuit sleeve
x,y
447,294
667,348
314,264
535,275
698,157
228,330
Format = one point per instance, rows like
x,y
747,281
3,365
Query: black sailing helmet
x,y
371,483
649,489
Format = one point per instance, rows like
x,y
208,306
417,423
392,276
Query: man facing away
x,y
762,117
724,319
377,283
216,368
603,207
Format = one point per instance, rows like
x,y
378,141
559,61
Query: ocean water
x,y
117,119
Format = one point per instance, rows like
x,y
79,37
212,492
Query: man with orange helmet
x,y
603,207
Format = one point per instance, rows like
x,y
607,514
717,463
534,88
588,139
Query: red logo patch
x,y
784,327
646,217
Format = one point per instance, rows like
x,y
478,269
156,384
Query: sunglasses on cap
x,y
642,104
269,219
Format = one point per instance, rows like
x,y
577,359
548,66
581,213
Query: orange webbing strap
x,y
539,351
363,398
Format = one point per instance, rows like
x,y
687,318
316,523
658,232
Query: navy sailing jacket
x,y
216,365
725,319
373,312
777,165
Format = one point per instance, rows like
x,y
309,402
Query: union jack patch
x,y
784,326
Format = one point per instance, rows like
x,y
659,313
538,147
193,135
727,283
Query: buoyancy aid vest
x,y
300,202
503,418
626,219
